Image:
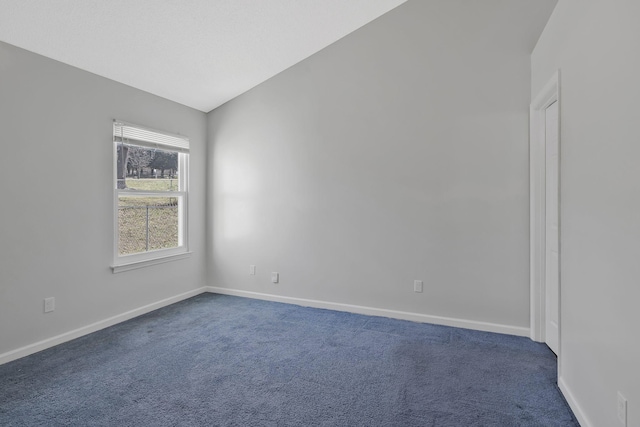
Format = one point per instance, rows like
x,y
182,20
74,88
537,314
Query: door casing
x,y
547,96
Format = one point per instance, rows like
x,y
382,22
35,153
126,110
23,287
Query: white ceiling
x,y
200,53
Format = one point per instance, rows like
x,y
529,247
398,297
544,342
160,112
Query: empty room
x,y
320,212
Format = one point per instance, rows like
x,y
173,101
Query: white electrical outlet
x,y
417,286
622,409
252,270
275,277
49,304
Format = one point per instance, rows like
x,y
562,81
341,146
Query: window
x,y
150,196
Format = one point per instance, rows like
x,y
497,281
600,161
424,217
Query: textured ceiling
x,y
200,53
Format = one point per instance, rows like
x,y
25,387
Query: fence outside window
x,y
146,228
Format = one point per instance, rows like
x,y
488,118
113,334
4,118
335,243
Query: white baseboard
x,y
573,403
77,333
372,311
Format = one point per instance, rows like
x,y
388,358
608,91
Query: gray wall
x,y
398,153
56,211
595,46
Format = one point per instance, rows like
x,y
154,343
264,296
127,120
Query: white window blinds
x,y
128,133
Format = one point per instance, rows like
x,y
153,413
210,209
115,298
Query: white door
x,y
552,235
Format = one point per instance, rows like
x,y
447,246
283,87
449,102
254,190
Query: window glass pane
x,y
142,168
147,223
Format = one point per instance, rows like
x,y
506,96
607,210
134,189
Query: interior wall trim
x,y
373,311
370,311
85,330
573,403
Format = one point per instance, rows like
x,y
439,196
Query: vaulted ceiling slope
x,y
200,53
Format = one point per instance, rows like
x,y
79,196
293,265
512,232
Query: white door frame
x,y
549,94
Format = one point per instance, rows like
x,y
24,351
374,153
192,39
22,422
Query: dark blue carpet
x,y
228,361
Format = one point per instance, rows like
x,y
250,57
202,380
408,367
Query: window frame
x,y
156,256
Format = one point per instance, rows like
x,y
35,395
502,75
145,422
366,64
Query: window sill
x,y
148,262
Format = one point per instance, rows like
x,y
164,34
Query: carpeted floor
x,y
217,360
